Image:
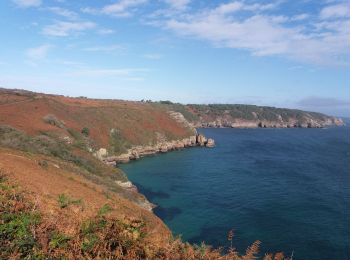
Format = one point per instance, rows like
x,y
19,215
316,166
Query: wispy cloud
x,y
300,17
122,8
264,34
105,31
38,53
153,56
319,102
132,74
71,15
336,11
178,4
27,3
62,28
108,48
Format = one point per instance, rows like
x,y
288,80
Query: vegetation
x,y
85,131
44,164
118,144
252,112
52,120
64,201
26,233
87,165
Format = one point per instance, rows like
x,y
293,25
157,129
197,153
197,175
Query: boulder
x,y
179,145
201,140
134,155
163,148
193,140
124,158
101,153
210,143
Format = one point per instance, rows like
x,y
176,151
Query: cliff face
x,y
81,131
115,125
247,116
220,122
59,148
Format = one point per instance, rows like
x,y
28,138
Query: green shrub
x,y
118,144
104,210
44,164
85,131
53,120
64,201
58,240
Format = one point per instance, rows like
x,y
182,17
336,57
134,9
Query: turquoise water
x,y
289,188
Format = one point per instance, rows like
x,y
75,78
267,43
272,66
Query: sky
x,y
283,53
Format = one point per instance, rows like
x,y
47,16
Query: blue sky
x,y
280,53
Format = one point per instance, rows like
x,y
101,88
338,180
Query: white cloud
x,y
105,31
300,17
228,8
27,3
335,11
38,53
122,8
125,72
103,48
178,4
264,34
62,29
315,101
153,56
64,12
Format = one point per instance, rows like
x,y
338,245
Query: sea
x,y
288,188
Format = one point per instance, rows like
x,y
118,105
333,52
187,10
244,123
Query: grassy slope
x,y
246,112
209,113
72,220
51,126
136,123
43,150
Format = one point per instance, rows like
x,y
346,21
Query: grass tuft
x,y
64,201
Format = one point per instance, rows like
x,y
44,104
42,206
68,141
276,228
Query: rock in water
x,y
210,143
201,140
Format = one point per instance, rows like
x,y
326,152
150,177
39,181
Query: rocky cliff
x,y
82,130
138,152
249,116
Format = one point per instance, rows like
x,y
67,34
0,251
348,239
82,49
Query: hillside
x,y
111,123
53,151
85,131
251,116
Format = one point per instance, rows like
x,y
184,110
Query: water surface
x,y
289,188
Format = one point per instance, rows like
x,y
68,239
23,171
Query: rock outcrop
x,y
179,118
292,123
250,116
162,147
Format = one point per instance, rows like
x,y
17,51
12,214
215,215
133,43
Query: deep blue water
x,y
289,188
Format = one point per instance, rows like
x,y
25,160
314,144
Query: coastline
x,y
139,152
252,124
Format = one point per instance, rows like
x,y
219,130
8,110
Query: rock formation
x,y
240,123
162,147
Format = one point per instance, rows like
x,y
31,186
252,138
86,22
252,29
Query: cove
x,y
289,188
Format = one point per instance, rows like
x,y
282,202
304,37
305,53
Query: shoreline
x,y
270,125
138,152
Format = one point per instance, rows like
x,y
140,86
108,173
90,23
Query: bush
x,y
64,201
58,240
85,131
118,144
43,163
52,120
